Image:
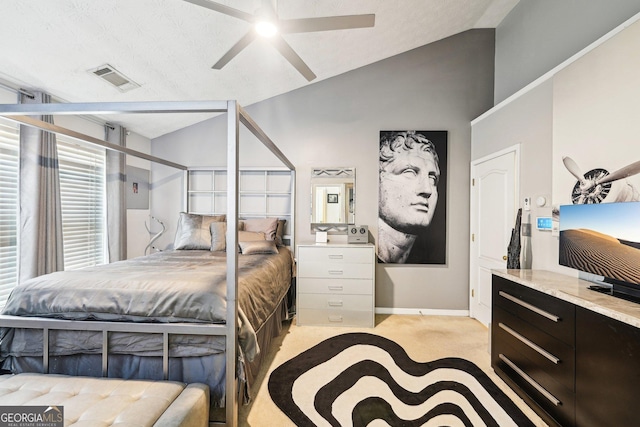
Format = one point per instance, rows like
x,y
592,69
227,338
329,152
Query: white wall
x,y
336,122
595,110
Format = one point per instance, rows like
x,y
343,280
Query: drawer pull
x,y
335,319
335,256
335,288
529,306
335,303
530,380
531,344
335,271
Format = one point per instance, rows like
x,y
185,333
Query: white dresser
x,y
336,284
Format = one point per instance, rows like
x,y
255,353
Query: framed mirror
x,y
333,199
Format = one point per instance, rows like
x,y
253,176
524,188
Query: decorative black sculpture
x,y
513,251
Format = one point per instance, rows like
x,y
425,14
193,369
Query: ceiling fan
x,y
266,20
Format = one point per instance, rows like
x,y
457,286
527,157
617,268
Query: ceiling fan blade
x,y
627,171
235,49
328,23
291,56
223,9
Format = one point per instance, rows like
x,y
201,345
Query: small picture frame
x,y
321,237
332,198
137,188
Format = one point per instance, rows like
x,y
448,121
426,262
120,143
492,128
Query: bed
x,y
166,287
207,322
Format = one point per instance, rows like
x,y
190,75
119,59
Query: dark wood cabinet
x,y
533,348
572,365
607,371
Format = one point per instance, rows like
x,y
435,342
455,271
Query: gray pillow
x,y
258,247
193,231
280,232
250,236
218,236
268,226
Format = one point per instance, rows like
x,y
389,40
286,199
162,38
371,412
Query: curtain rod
x,y
27,94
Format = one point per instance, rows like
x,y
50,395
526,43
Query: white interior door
x,y
493,212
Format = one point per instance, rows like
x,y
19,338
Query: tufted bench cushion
x,y
110,401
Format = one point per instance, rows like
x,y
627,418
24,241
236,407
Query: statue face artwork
x,y
408,190
410,193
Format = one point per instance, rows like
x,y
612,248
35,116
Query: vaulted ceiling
x,y
168,47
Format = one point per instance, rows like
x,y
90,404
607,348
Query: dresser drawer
x,y
549,355
556,400
336,302
335,286
335,255
550,314
335,270
319,317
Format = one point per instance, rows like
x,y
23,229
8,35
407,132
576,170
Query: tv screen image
x,y
602,239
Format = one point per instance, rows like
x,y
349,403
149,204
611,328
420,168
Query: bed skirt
x,y
208,369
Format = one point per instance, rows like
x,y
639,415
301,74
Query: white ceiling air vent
x,y
115,78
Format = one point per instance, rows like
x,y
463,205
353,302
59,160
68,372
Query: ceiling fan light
x,y
266,28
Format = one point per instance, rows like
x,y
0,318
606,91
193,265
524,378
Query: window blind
x,y
82,190
9,158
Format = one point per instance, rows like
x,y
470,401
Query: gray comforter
x,y
173,286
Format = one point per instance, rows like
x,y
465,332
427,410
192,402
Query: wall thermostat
x,y
544,223
358,234
541,201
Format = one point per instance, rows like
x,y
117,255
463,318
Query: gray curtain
x,y
116,196
41,244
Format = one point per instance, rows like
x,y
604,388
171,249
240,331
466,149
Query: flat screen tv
x,y
604,239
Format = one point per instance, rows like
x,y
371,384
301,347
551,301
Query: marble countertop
x,y
574,290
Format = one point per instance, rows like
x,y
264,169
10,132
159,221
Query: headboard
x,y
263,192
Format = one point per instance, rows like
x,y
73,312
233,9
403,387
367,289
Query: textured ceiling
x,y
169,46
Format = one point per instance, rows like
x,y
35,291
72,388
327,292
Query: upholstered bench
x,y
110,401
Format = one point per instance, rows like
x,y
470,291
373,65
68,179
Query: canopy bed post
x,y
185,190
231,401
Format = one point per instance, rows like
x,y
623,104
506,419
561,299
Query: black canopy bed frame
x,y
235,115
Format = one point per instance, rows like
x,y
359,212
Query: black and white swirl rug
x,y
360,379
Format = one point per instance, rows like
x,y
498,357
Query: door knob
x,y
504,257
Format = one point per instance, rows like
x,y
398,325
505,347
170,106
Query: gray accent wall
x,y
538,35
336,122
527,121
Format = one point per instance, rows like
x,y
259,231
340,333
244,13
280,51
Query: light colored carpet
x,y
425,338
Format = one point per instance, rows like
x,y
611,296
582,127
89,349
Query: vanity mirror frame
x,y
346,200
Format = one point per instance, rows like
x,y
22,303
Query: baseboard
x,y
422,311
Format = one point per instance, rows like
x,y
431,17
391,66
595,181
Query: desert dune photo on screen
x,y
602,239
601,254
